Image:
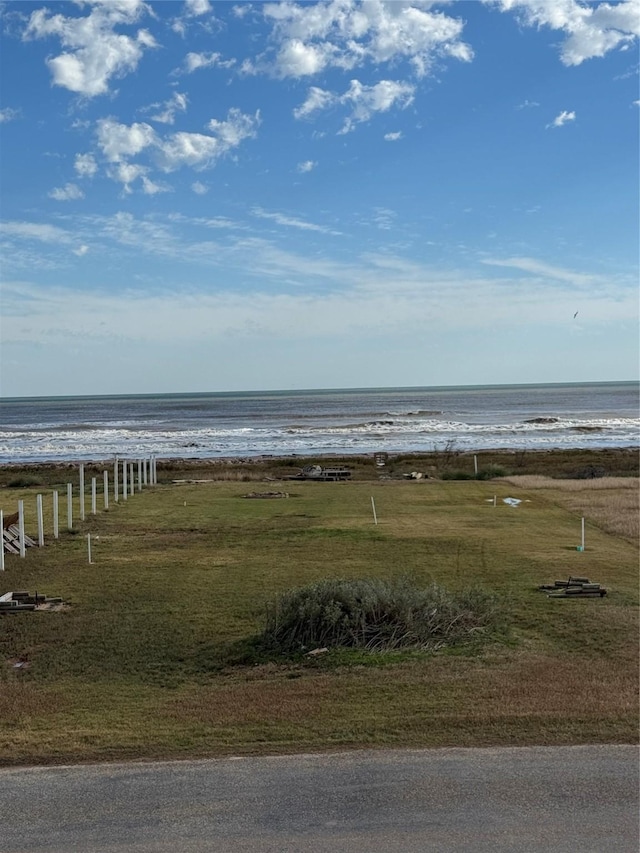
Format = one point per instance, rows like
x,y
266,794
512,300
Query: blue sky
x,y
203,196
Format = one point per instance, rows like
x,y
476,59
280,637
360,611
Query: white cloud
x,y
317,99
540,268
526,104
85,165
363,100
81,250
150,187
195,61
384,218
95,52
126,173
197,7
393,137
69,192
118,141
200,150
292,222
8,114
199,188
562,118
310,38
36,231
592,29
167,115
306,166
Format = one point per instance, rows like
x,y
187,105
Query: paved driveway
x,y
573,799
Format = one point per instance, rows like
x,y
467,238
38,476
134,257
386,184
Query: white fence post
x,y
124,480
94,492
40,521
2,543
56,528
81,492
144,472
115,480
139,475
21,527
132,485
69,506
105,490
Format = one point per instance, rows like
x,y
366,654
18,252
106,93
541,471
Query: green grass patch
x,y
156,655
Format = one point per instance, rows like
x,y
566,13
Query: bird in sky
x,y
575,315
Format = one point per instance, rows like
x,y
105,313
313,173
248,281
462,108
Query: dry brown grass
x,y
612,503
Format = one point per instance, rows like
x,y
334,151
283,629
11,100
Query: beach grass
x,y
153,656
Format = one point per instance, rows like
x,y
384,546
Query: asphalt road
x,y
560,799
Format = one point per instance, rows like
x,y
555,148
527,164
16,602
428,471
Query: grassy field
x,y
149,659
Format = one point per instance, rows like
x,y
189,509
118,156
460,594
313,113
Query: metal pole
x,y
40,521
94,490
115,480
124,480
139,475
105,490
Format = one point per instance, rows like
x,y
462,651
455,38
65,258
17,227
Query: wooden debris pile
x,y
21,601
11,539
574,588
267,495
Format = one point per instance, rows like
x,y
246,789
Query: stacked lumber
x,y
574,588
21,601
11,539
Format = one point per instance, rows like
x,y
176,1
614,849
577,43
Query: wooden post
x,y
56,528
2,543
105,489
21,527
40,521
124,480
115,480
69,506
81,492
94,491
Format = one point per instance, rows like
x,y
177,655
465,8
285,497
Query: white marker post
x,y
144,472
40,521
94,495
124,480
495,500
105,488
2,543
581,548
132,485
56,527
139,475
89,548
475,465
69,506
115,480
21,527
373,507
82,493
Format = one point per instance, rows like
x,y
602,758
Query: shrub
x,y
24,481
491,471
375,615
457,474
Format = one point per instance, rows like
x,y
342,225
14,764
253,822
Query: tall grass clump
x,y
375,615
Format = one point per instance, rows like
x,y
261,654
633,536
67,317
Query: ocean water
x,y
313,422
